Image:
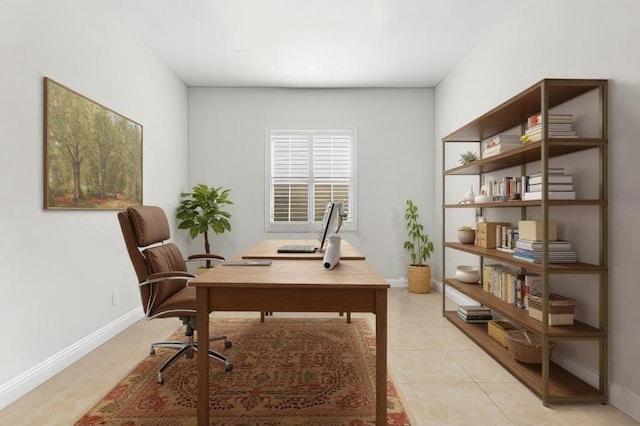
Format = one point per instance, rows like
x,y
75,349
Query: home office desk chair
x,y
162,276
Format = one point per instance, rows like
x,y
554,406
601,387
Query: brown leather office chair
x,y
162,275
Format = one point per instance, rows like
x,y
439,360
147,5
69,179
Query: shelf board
x,y
515,111
501,256
563,386
578,330
525,154
530,203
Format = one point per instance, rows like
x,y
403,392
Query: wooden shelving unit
x,y
548,380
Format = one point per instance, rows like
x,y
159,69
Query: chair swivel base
x,y
188,349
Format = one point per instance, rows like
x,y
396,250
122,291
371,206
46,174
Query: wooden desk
x,y
293,286
268,249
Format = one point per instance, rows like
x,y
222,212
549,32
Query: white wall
x,y
395,157
58,268
573,39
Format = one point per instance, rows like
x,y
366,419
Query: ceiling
x,y
311,43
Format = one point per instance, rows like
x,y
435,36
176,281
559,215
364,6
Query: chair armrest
x,y
170,275
205,256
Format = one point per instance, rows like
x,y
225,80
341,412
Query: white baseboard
x,y
40,373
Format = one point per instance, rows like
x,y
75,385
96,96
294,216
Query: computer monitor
x,y
331,223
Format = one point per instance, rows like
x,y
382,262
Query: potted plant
x,y
201,211
420,248
468,157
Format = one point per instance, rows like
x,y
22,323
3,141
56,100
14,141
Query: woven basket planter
x,y
419,278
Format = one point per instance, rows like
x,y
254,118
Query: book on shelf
x,y
537,119
553,187
474,310
499,149
552,178
550,171
532,285
532,256
557,195
537,137
474,320
536,245
504,140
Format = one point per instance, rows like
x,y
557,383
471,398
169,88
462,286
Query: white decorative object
x,y
482,198
332,253
468,274
468,197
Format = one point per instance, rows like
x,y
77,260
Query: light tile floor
x,y
443,377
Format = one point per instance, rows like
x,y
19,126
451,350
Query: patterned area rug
x,y
311,372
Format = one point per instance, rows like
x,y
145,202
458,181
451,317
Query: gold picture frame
x,y
92,154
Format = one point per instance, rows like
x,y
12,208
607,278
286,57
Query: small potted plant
x,y
466,235
468,157
201,211
420,247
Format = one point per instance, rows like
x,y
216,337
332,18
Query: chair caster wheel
x,y
228,344
160,379
228,367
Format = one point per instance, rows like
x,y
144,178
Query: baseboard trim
x,y
40,373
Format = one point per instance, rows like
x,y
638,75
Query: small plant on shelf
x,y
468,157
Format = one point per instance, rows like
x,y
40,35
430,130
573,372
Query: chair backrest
x,y
145,230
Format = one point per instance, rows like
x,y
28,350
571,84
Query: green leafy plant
x,y
202,210
419,244
465,228
468,157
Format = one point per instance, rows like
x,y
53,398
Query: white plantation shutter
x,y
290,178
308,170
331,171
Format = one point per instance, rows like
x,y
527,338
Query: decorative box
x,y
498,329
532,230
561,309
486,233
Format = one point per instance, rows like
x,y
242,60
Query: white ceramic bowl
x,y
468,274
467,236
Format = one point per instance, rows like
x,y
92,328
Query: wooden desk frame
x,y
293,286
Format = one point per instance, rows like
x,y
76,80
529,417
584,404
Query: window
x,y
306,170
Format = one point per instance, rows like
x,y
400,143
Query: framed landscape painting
x,y
92,155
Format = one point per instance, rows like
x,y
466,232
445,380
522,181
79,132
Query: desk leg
x,y
381,357
202,321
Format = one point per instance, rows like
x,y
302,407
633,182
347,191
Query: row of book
x,y
559,185
529,187
510,286
559,126
560,251
473,314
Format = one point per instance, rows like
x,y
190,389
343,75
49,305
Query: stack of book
x,y
500,144
474,314
559,126
531,251
559,186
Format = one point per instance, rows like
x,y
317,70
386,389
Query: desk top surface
x,y
268,249
293,273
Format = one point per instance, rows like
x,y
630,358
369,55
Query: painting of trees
x,y
93,155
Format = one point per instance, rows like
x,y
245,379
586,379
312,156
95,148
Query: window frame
x,y
310,226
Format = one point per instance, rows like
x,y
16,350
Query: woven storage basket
x,y
525,347
498,330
